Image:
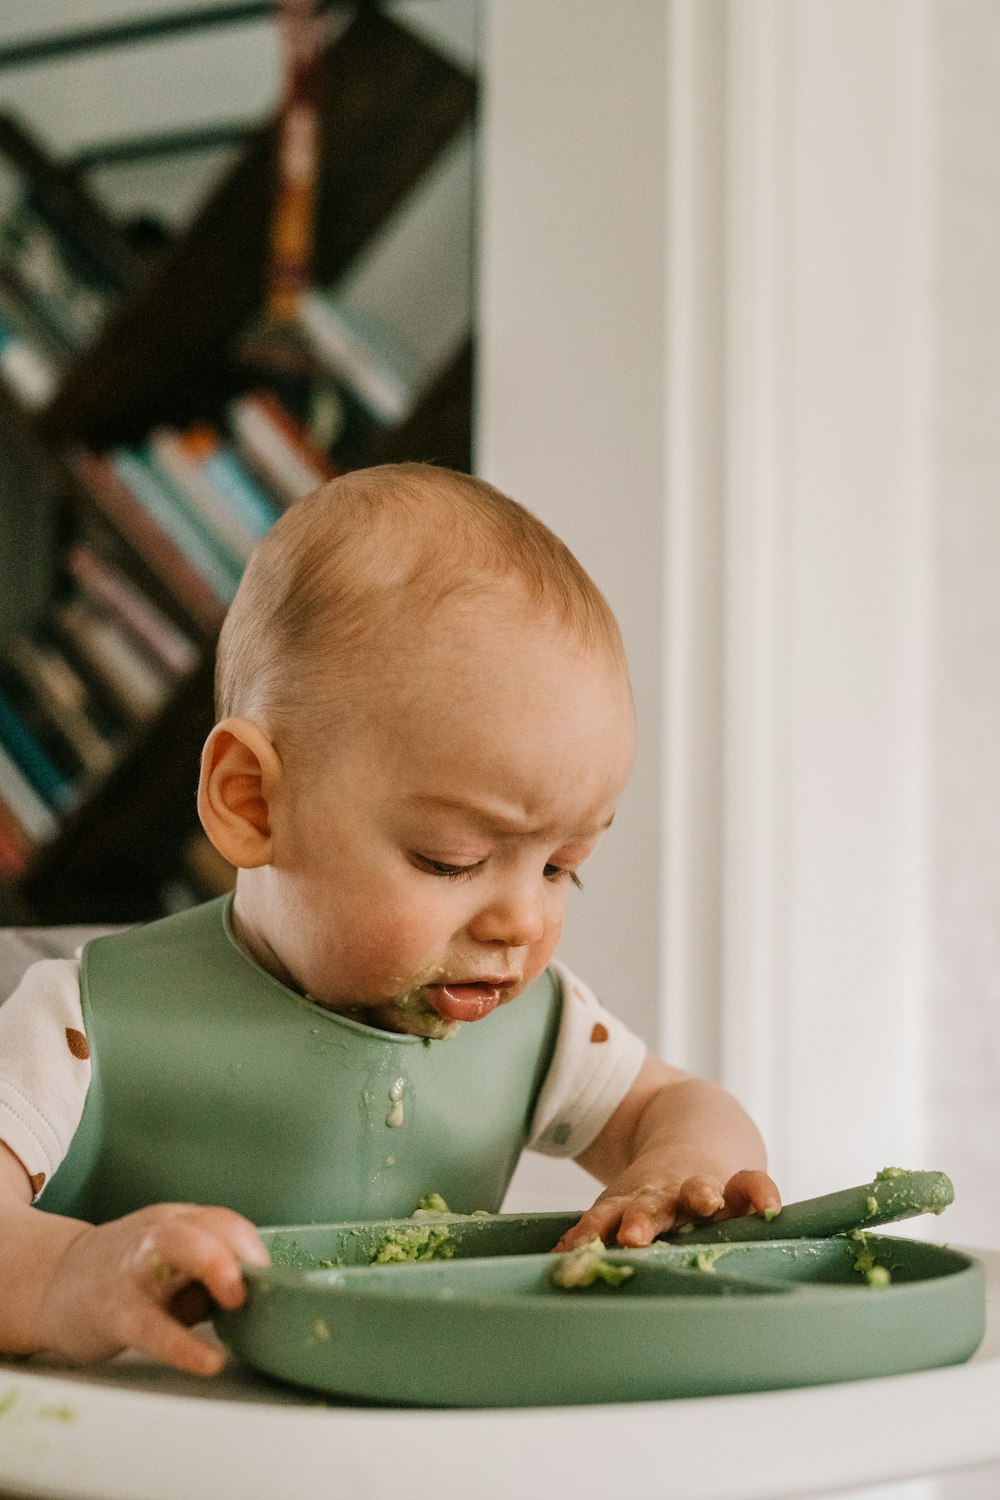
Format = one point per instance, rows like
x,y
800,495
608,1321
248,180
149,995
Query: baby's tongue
x,y
462,1002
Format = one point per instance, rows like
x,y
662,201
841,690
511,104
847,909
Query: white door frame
x,y
703,306
798,549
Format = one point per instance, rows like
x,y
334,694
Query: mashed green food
x,y
424,1240
585,1265
876,1276
431,1203
421,1242
423,1237
704,1260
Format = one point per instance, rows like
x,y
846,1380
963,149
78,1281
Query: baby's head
x,y
425,721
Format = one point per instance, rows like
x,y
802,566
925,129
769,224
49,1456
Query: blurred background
x,y
711,285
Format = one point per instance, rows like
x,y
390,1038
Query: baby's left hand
x,y
640,1213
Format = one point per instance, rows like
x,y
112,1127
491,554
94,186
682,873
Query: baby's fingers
x,y
699,1198
183,1250
751,1192
600,1220
201,1245
148,1328
650,1212
638,1216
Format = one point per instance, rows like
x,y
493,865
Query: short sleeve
x,y
44,1067
595,1063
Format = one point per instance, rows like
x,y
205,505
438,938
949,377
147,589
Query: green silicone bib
x,y
214,1083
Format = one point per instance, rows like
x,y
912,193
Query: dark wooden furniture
x,y
167,355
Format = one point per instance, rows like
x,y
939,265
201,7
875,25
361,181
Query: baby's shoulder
x,y
50,985
574,990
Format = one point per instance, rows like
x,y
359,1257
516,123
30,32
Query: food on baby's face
x,y
585,1265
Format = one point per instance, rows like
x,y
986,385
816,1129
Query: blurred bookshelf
x,y
144,449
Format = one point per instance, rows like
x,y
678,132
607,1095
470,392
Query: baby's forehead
x,y
482,718
481,637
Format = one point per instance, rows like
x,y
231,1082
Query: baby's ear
x,y
240,773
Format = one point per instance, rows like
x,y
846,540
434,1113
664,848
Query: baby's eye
x,y
557,872
449,872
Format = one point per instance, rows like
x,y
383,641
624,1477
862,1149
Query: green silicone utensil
x,y
488,1327
894,1195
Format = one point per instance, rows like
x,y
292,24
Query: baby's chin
x,y
407,1015
418,1020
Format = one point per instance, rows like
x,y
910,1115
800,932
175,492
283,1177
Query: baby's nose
x,y
512,917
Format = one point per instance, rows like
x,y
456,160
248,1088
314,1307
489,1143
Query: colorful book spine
x,y
15,845
131,677
66,702
161,554
183,464
25,368
362,352
54,274
257,509
277,447
32,760
32,811
112,589
185,528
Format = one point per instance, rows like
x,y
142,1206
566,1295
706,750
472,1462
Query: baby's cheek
x,y
390,947
541,952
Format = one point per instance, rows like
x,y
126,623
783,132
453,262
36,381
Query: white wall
x,y
824,913
703,315
964,1029
571,397
571,382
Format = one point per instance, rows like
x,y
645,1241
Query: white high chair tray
x,y
133,1431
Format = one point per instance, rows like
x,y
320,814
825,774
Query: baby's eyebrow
x,y
495,817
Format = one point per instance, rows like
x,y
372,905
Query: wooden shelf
x,y
167,355
390,106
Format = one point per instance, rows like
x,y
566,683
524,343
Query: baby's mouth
x,y
467,1002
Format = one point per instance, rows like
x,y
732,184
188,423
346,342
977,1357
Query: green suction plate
x,y
487,1327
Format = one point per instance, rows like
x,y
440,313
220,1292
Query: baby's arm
x,y
676,1149
86,1292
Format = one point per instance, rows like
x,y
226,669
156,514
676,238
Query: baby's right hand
x,y
114,1286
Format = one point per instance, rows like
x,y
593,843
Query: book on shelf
x,y
363,354
217,485
31,811
26,366
277,447
58,273
258,507
67,702
110,588
15,845
174,513
126,513
31,749
133,680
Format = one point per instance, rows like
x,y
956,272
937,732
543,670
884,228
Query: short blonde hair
x,y
349,560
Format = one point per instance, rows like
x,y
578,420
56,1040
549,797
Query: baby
x,y
425,723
